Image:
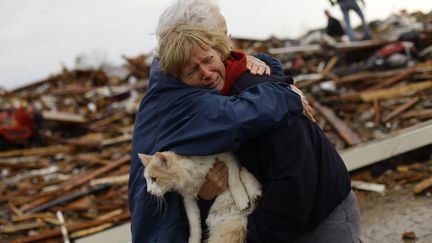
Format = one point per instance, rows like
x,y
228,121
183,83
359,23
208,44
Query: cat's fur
x,y
227,219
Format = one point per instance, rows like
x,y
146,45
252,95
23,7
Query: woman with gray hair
x,y
195,121
200,12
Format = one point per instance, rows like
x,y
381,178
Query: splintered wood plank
x,y
72,227
63,117
330,65
360,76
21,227
396,92
40,151
68,198
421,114
377,110
36,202
26,217
423,185
107,121
90,231
401,109
366,75
116,140
120,179
393,79
348,135
95,173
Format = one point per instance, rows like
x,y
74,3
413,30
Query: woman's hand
x,y
307,109
256,66
216,182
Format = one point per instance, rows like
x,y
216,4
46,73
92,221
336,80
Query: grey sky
x,y
38,36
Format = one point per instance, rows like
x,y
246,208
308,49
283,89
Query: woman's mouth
x,y
212,84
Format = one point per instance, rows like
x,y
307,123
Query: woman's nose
x,y
205,73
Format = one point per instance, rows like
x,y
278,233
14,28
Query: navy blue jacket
x,y
195,121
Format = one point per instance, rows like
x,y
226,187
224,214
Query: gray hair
x,y
192,11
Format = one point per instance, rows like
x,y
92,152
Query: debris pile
x,y
368,89
67,177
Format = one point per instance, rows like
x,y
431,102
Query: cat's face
x,y
161,172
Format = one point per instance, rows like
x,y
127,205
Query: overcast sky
x,y
37,37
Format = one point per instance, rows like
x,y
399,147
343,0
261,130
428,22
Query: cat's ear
x,y
162,158
145,159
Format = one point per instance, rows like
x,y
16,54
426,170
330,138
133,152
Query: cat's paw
x,y
255,194
243,203
256,197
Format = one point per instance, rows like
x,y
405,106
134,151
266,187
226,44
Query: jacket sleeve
x,y
218,123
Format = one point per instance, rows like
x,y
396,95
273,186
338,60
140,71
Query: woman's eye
x,y
153,179
191,73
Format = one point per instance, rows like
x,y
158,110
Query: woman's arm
x,y
212,123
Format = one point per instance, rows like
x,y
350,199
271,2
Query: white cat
x,y
227,219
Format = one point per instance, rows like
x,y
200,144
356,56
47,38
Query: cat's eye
x,y
153,179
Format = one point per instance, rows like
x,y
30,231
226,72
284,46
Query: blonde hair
x,y
179,43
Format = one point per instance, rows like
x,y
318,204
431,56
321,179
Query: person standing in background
x,y
346,6
334,27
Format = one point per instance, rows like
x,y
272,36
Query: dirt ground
x,y
386,216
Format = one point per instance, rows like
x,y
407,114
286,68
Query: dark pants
x,y
346,6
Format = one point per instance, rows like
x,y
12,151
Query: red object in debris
x,y
395,47
298,62
16,125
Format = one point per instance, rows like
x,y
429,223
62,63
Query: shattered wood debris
x,y
75,164
64,170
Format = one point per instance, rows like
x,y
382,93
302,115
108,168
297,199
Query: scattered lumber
x,y
343,130
77,162
425,184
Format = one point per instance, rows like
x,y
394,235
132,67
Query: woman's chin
x,y
220,86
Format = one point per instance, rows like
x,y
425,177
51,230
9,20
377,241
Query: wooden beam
x,y
330,65
71,227
377,111
63,117
423,185
393,79
20,227
420,114
40,151
401,109
348,135
95,173
366,75
345,47
396,92
68,198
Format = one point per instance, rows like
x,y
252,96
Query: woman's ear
x,y
145,159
